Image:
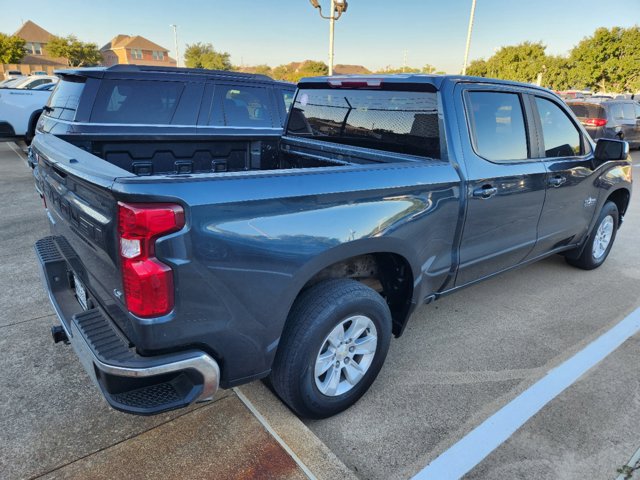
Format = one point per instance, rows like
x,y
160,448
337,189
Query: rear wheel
x,y
334,344
600,241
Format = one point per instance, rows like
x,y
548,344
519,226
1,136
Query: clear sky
x,y
373,33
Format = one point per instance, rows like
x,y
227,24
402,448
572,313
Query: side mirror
x,y
608,149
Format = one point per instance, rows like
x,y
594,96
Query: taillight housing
x,y
147,282
596,122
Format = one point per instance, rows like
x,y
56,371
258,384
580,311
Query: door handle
x,y
557,181
486,191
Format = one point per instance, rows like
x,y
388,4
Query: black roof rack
x,y
99,71
200,71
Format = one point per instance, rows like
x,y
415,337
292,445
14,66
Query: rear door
x,y
245,120
505,184
624,116
571,191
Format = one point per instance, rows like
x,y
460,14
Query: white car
x,y
13,74
20,110
31,82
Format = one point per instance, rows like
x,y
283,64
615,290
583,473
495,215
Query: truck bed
x,y
148,155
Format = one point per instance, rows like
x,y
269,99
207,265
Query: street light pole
x,y
175,42
332,22
338,7
466,50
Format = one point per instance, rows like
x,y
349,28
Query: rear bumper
x,y
129,382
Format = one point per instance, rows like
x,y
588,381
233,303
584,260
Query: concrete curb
x,y
312,455
632,463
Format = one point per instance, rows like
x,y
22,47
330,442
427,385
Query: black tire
x,y
315,314
587,260
31,132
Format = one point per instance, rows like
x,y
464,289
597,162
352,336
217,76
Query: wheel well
x,y
387,273
33,122
621,199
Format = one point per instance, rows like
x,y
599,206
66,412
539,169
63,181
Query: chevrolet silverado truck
x,y
184,262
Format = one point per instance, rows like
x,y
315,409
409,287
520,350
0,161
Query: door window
x,y
561,136
497,126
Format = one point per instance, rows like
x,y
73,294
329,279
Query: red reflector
x,y
596,122
147,282
148,287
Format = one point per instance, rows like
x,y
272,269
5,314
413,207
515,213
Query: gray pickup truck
x,y
217,250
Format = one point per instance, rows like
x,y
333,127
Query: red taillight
x,y
596,122
147,282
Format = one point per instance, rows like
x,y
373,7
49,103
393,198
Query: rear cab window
x,y
405,122
63,103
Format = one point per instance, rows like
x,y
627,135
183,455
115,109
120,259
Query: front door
x,y
505,185
572,195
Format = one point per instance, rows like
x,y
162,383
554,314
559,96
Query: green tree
x,y
203,55
522,62
282,72
557,73
608,60
260,69
478,68
11,48
311,68
76,52
406,69
293,72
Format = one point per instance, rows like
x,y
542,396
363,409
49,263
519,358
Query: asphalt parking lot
x,y
460,360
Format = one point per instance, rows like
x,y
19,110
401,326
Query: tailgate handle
x,y
59,174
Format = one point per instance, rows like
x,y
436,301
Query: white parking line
x,y
19,153
489,435
274,434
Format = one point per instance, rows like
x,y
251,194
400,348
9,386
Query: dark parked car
x,y
610,119
184,261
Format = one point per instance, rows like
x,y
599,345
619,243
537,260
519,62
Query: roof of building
x,y
32,32
127,41
350,69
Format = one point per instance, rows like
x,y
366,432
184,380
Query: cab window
x,y
497,126
561,137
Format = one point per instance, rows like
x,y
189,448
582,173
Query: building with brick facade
x,y
137,50
37,57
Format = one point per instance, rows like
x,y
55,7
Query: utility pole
x,y
175,42
466,50
332,22
404,60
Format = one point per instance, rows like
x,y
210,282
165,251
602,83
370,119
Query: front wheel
x,y
333,346
600,240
